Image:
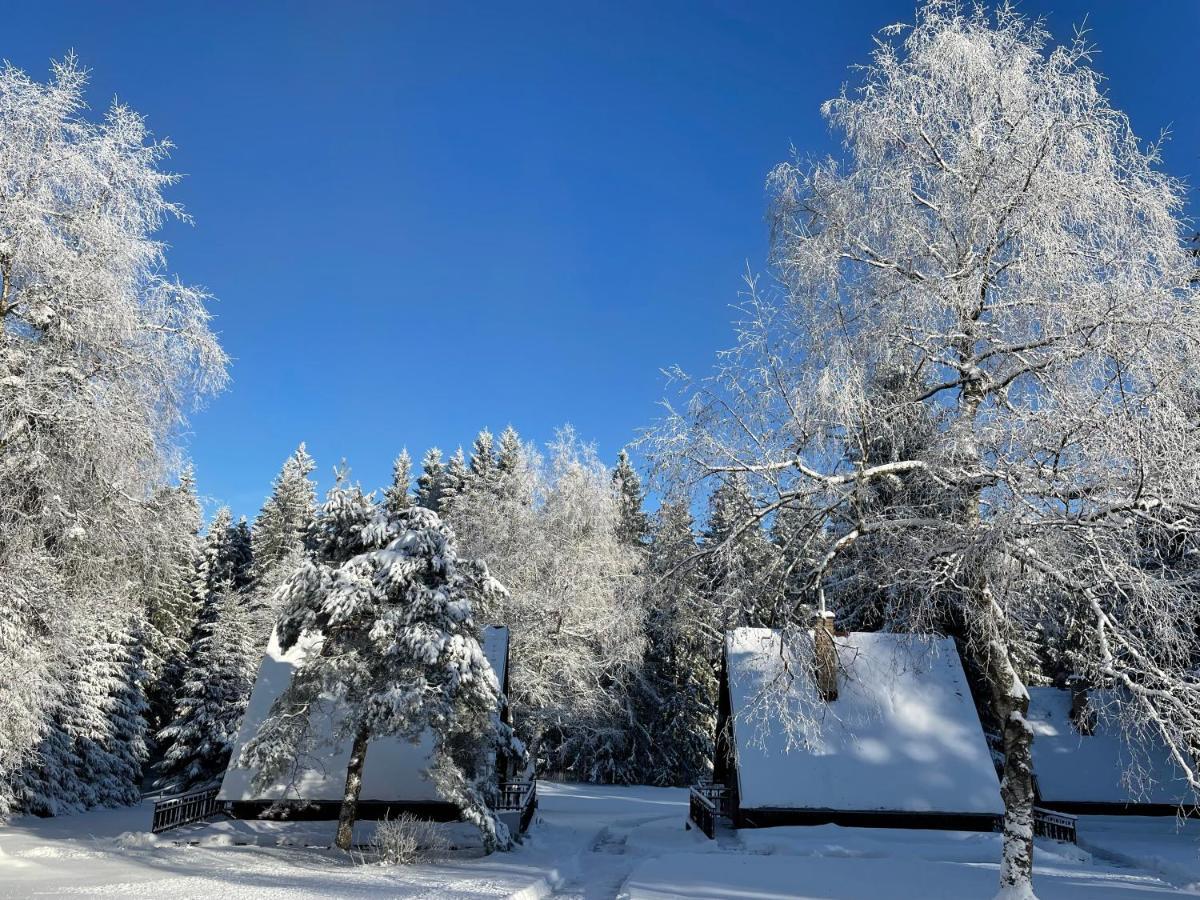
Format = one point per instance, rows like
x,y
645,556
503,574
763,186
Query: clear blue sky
x,y
423,218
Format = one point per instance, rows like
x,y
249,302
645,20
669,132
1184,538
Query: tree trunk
x,y
354,770
1010,701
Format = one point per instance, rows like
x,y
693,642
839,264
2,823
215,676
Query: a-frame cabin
x,y
1085,764
395,776
889,736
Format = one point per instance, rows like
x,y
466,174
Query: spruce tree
x,y
431,481
397,497
739,558
170,600
391,604
483,459
633,525
221,663
677,712
281,525
456,480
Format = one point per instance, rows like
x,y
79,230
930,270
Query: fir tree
x,y
456,480
221,662
110,725
739,556
633,524
678,706
170,600
391,604
397,497
286,516
431,481
483,459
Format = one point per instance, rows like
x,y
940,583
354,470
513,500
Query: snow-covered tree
x,y
170,608
677,714
631,498
397,496
277,538
739,558
286,516
390,603
456,480
102,350
574,601
222,660
997,232
483,458
430,482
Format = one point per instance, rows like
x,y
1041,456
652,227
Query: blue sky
x,y
423,218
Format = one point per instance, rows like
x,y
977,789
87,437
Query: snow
x,y
590,842
1092,768
395,768
903,733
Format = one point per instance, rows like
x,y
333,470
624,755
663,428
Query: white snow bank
x,y
903,733
697,877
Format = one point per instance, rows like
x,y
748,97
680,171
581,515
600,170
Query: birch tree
x,y
574,606
102,352
995,232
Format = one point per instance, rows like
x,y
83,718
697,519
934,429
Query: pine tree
x,y
284,520
397,496
95,746
738,559
221,662
170,604
483,459
633,526
678,708
109,726
431,481
456,480
278,536
403,656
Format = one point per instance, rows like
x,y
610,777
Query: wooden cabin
x,y
395,778
1084,763
886,734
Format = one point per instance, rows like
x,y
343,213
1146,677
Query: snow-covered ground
x,y
590,842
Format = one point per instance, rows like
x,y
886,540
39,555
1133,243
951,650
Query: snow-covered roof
x,y
903,734
1072,767
395,768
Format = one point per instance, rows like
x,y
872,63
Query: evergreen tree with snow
x,y
277,538
738,558
170,608
284,520
431,481
627,485
483,459
397,497
110,728
221,663
390,603
456,481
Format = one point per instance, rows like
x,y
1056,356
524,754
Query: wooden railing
x,y
706,802
182,809
1055,825
520,796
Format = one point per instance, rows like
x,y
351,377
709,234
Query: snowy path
x,y
590,843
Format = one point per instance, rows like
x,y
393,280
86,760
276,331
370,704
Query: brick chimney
x,y
1083,717
825,660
